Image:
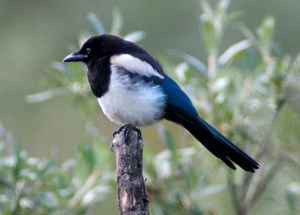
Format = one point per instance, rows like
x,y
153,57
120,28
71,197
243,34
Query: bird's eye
x,y
88,50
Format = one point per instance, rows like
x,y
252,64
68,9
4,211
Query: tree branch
x,y
132,196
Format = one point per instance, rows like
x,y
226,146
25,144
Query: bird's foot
x,y
127,128
120,129
138,131
112,146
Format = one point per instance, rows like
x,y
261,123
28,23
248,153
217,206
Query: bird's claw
x,y
126,128
119,130
138,131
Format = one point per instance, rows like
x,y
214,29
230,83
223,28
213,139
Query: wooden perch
x,y
132,196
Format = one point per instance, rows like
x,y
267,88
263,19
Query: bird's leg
x,y
138,131
133,127
119,130
115,132
127,128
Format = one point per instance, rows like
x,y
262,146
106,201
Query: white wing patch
x,y
134,65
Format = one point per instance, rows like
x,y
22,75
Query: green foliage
x,y
173,184
33,185
258,91
243,91
293,197
247,91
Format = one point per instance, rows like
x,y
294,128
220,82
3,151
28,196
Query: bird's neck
x,y
99,76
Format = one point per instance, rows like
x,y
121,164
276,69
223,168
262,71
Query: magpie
x,y
132,88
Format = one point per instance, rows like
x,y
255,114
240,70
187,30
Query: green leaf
x,y
209,35
233,51
4,182
213,22
196,63
293,197
87,157
210,190
265,32
181,71
97,24
162,164
222,6
47,95
117,22
18,161
135,36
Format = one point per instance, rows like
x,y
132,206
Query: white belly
x,y
138,104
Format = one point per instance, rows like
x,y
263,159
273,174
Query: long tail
x,y
214,141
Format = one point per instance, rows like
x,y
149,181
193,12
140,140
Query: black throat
x,y
99,76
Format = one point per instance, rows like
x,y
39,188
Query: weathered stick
x,y
131,188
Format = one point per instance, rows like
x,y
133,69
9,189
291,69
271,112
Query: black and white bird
x,y
132,88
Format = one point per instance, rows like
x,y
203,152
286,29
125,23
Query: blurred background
x,y
36,33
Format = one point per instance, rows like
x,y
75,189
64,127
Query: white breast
x,y
140,103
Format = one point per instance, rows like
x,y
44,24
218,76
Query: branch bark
x,y
132,196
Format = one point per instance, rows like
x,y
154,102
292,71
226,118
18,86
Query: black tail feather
x,y
214,141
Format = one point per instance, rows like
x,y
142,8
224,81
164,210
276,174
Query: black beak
x,y
75,57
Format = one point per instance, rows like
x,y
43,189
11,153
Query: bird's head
x,y
97,47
